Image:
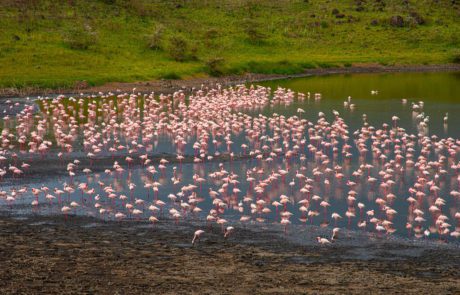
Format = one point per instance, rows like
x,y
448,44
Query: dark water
x,y
439,92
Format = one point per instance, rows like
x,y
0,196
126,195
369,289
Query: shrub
x,y
170,76
397,21
178,48
139,7
193,52
215,66
80,38
253,33
210,36
155,40
417,18
456,57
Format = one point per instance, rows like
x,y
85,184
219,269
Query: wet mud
x,y
53,255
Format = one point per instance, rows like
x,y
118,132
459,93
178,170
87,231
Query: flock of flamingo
x,y
231,165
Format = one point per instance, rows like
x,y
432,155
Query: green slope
x,y
53,43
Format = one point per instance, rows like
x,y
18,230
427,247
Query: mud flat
x,y
47,254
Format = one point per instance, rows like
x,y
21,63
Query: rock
x,y
374,22
397,21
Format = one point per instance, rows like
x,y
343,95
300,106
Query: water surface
x,y
373,99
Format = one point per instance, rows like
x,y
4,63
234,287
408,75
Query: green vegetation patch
x,y
59,43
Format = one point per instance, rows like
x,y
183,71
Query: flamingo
x,y
197,236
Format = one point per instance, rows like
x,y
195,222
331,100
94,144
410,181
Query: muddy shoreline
x,y
81,255
48,166
170,86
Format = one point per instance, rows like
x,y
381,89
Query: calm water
x,y
440,93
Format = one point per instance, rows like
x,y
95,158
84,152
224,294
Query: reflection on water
x,y
373,153
440,93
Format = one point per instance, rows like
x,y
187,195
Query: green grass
x,y
52,44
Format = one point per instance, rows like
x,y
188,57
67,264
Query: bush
x,y
215,66
170,76
253,33
80,38
180,50
456,57
397,21
155,40
417,18
139,7
210,36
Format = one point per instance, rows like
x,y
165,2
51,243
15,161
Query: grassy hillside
x,y
54,43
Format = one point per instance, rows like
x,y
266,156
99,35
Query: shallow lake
x,y
426,104
439,91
